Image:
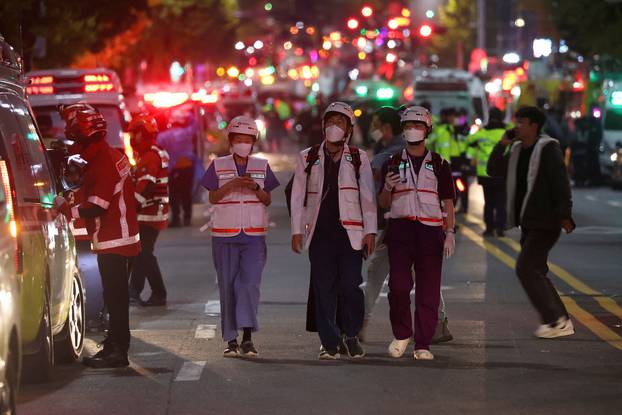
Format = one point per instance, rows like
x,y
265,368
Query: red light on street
x,y
97,78
367,11
38,80
353,24
98,87
393,24
425,30
39,90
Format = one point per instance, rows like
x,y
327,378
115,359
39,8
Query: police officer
x,y
239,190
482,142
334,216
151,180
418,190
110,214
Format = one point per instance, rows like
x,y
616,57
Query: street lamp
x,y
425,30
520,22
353,24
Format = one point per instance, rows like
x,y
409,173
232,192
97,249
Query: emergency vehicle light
x,y
164,99
460,185
616,98
97,78
107,87
38,80
39,90
385,93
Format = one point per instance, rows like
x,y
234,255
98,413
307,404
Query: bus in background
x,y
101,88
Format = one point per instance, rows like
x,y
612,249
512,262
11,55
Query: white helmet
x,y
341,108
243,125
419,114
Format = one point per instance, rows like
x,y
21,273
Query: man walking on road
x,y
418,190
334,216
539,200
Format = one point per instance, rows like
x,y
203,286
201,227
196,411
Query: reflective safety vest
x,y
78,225
482,143
152,188
240,209
444,141
417,198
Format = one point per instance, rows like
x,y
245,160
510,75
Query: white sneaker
x,y
423,354
398,347
563,327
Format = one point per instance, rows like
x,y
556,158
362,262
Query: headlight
x,y
614,157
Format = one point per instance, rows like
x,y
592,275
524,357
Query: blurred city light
x,y
353,24
361,90
511,57
425,30
367,11
287,45
267,7
542,48
405,12
258,44
233,72
239,45
430,14
520,22
385,93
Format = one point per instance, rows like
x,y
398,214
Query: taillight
x,y
40,80
9,197
39,90
460,184
107,87
97,78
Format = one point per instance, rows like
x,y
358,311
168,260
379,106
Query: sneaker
x,y
423,354
328,354
341,347
353,347
363,332
500,233
487,233
232,350
247,349
562,327
108,357
135,299
442,333
398,347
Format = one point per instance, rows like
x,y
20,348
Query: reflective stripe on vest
x,y
417,200
156,208
240,209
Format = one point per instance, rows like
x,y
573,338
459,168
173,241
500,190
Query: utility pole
x,y
481,24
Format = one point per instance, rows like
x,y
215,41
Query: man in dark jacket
x,y
540,202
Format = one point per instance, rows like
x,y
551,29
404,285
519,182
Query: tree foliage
x,y
590,27
459,18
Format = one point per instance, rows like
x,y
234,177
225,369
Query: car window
x,y
39,168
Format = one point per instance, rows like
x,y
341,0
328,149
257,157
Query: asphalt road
x,y
493,366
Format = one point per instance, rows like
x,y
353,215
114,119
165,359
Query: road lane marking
x,y
190,371
212,307
607,303
205,331
588,320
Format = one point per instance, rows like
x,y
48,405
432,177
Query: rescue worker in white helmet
x,y
418,190
239,190
334,216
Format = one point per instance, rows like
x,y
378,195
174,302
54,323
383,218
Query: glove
x,y
450,245
391,180
61,205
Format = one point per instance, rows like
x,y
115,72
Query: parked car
x,y
51,295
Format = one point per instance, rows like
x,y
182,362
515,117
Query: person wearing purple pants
x,y
418,189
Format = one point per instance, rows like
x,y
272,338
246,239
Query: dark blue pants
x,y
336,273
494,203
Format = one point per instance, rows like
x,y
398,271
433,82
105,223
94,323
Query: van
x,y
612,126
51,295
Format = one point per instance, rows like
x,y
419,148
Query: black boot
x,y
154,301
109,357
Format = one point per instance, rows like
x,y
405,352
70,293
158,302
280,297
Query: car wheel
x,y
69,347
8,394
39,367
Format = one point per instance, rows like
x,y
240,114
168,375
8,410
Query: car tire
x,y
11,381
39,367
70,341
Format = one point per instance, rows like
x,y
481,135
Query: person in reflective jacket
x,y
239,190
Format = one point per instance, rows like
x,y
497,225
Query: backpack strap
x,y
437,163
356,161
312,156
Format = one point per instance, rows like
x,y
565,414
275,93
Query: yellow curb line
x,y
588,320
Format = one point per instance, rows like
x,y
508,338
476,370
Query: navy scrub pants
x,y
336,273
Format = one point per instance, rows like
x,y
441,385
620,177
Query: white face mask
x,y
334,134
376,135
413,135
242,149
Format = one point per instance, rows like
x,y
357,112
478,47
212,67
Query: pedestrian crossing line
x,y
205,331
212,307
607,303
588,320
190,371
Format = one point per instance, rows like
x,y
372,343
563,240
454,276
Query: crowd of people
x,y
397,211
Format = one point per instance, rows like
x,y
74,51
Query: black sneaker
x,y
442,333
326,354
108,357
154,301
232,350
354,348
487,233
247,348
341,347
500,233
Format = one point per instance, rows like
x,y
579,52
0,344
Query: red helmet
x,y
87,125
145,122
